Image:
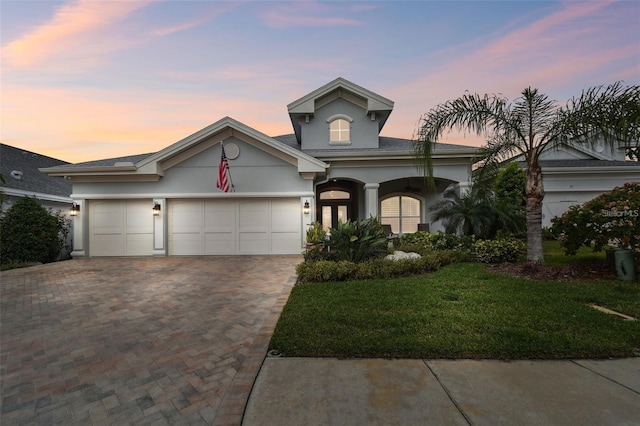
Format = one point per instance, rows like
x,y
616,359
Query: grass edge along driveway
x,y
461,311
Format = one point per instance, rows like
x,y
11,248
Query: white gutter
x,y
40,196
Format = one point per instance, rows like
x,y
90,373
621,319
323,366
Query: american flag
x,y
223,172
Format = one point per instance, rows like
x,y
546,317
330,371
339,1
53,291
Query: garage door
x,y
121,228
222,227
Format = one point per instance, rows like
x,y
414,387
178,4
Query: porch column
x,y
371,199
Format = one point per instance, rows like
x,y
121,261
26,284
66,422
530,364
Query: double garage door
x,y
198,227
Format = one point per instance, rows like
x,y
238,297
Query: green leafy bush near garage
x,y
31,233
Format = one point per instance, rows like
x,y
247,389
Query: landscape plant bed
x,y
462,311
580,272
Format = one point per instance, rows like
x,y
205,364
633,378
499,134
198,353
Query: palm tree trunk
x,y
535,195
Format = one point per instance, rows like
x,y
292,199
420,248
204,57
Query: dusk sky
x,y
84,79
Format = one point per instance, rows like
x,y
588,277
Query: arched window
x,y
402,212
339,129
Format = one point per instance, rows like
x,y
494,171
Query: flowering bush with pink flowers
x,y
611,220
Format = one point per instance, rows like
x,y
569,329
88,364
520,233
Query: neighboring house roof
x,y
20,169
340,87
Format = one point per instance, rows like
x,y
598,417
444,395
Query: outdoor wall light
x,y
156,208
75,208
305,208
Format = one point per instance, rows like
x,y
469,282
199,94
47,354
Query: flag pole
x,y
233,187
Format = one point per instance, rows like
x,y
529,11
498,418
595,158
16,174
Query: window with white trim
x,y
339,129
402,212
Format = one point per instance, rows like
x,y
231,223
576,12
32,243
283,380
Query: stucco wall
x,y
364,131
253,171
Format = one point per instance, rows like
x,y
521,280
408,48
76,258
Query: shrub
x,y
548,233
322,270
438,241
357,241
611,219
497,251
315,234
30,233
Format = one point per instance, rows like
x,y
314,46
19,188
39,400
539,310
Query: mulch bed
x,y
528,271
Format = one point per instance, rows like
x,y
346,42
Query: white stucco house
x,y
575,175
334,166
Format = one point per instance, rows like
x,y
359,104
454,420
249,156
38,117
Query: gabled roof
x,y
149,167
20,169
370,101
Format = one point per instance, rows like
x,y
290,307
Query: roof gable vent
x,y
16,174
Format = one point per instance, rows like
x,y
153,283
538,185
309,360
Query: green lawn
x,y
461,311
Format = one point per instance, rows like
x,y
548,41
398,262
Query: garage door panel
x,y
253,216
254,243
219,216
107,245
107,218
186,244
285,243
219,243
138,244
224,227
120,228
186,217
138,217
285,216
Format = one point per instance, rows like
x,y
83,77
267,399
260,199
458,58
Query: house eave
x,y
590,170
38,195
393,155
71,171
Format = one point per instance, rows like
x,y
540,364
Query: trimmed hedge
x,y
324,270
497,251
485,251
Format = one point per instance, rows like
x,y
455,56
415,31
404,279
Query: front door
x,y
335,206
334,213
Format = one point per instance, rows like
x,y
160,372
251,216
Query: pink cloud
x,y
220,9
306,14
72,26
550,53
84,124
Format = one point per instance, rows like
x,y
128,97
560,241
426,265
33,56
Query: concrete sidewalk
x,y
312,391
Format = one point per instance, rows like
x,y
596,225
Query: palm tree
x,y
470,213
529,127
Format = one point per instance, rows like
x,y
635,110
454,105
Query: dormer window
x,y
339,129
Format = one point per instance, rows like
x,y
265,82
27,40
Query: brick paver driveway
x,y
137,340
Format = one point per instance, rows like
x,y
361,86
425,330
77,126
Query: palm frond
x,y
469,113
610,113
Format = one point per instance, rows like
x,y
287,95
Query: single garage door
x,y
223,227
120,228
